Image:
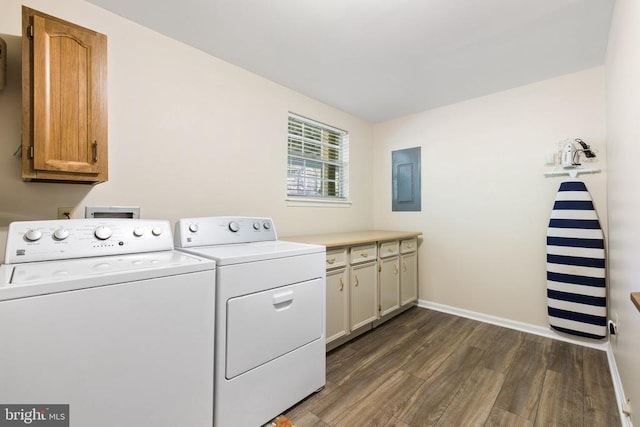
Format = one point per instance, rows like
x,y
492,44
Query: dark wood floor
x,y
426,368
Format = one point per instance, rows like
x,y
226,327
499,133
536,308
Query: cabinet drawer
x,y
336,258
388,249
363,253
409,245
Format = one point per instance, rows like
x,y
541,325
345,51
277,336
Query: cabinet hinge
x,y
30,31
31,151
379,267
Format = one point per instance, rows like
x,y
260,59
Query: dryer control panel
x,y
29,241
223,230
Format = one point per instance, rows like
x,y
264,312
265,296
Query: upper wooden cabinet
x,y
64,101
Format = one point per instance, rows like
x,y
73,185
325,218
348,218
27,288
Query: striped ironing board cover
x,y
576,274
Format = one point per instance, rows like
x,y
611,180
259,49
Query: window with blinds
x,y
317,160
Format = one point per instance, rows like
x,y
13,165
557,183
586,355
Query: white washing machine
x,y
104,316
270,316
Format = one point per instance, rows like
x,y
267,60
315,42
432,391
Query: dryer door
x,y
265,325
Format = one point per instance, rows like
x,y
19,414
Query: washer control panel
x,y
223,230
29,241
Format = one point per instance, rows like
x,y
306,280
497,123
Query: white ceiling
x,y
382,59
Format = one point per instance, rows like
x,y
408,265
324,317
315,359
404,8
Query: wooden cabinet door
x,y
337,323
389,283
65,113
363,289
408,278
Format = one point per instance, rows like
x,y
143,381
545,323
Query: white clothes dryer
x,y
270,316
104,316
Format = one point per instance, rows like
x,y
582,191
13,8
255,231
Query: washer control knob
x,y
256,226
138,232
156,231
33,235
267,225
234,226
193,228
61,234
102,232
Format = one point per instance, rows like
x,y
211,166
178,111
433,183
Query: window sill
x,y
317,203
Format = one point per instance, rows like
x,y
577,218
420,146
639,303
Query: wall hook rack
x,y
573,173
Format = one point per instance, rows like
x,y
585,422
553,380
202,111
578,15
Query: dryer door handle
x,y
282,299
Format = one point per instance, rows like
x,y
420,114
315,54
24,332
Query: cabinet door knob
x,y
341,284
395,268
404,266
357,281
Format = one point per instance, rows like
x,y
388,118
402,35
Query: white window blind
x,y
318,160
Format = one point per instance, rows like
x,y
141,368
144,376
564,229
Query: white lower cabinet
x,y
363,292
366,284
408,278
337,325
388,277
337,301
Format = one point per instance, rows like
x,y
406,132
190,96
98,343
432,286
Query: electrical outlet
x,y
65,213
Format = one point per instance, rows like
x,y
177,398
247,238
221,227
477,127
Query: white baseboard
x,y
617,386
545,332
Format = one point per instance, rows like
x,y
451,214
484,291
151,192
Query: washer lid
x,y
257,251
38,278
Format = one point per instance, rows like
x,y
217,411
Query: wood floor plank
x,y
332,403
387,356
500,345
395,392
430,401
440,347
425,367
566,358
600,403
522,387
472,405
341,361
561,401
416,317
367,377
304,418
501,418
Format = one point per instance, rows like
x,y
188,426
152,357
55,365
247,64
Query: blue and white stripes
x,y
576,285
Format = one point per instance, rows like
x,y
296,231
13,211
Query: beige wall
x,y
189,135
623,151
485,201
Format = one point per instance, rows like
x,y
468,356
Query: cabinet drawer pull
x,y
364,254
331,260
341,284
357,281
390,250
